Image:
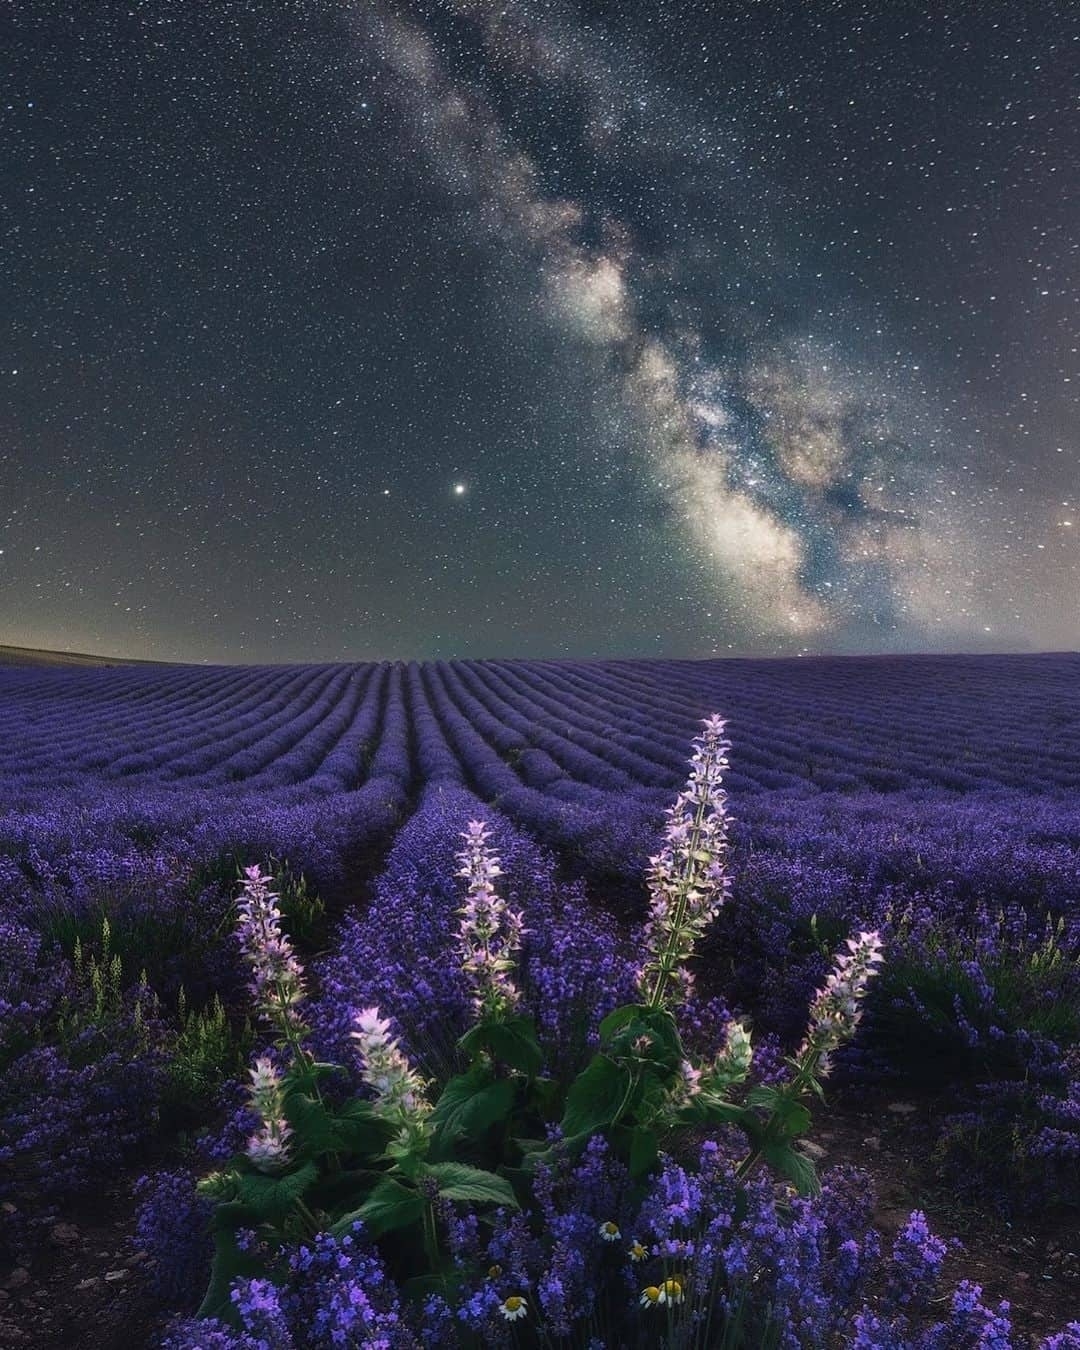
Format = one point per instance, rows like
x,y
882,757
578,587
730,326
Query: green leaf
x,y
595,1096
705,1110
656,1027
458,1181
533,1145
358,1130
643,1151
512,1042
230,1214
272,1198
767,1097
793,1117
544,1094
313,1126
795,1166
621,1017
390,1205
335,1191
471,1102
788,1112
324,1069
228,1263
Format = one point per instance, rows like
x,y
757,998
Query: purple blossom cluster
x,y
696,1261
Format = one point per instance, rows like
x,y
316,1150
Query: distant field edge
x,y
32,656
35,656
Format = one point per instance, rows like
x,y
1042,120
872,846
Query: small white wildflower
x,y
738,1053
650,1296
671,1291
514,1308
610,1231
268,1148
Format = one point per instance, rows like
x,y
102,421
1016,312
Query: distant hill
x,y
31,656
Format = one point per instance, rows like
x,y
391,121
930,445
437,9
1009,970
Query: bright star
x,y
459,489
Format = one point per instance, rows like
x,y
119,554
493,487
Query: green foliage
x,y
99,1003
303,912
481,1139
205,1052
99,978
965,1002
458,1181
511,1041
470,1103
392,1204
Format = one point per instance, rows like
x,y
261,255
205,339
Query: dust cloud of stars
x,y
383,329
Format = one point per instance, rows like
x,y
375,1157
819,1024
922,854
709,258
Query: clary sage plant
x,y
394,1158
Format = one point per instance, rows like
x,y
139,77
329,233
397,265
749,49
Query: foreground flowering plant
x,y
410,1157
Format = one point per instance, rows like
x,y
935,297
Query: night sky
x,y
646,327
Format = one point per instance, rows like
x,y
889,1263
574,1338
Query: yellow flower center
x,y
513,1303
651,1293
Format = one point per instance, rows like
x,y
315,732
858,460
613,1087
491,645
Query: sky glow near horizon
x,y
353,331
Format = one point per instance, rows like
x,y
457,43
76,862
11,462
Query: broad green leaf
x,y
231,1214
643,1151
793,1117
653,1026
228,1263
470,1103
335,1191
271,1198
764,1096
313,1127
595,1096
713,1111
359,1131
458,1181
512,1042
390,1205
621,1017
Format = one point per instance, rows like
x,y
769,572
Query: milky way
x,y
473,328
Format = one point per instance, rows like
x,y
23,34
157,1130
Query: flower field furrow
x,y
586,744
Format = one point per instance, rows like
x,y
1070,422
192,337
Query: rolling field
x,y
935,800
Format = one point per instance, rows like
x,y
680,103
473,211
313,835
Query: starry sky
x,y
355,329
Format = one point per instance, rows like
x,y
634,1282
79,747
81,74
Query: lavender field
x,y
932,800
